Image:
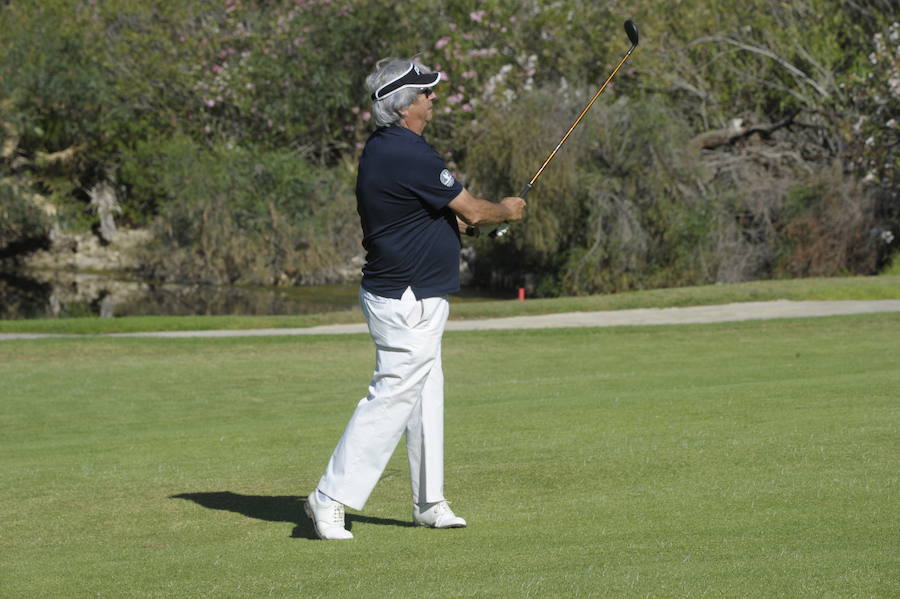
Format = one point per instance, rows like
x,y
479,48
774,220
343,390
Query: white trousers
x,y
406,394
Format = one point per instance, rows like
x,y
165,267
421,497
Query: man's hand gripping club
x,y
473,212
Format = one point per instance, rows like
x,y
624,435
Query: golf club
x,y
632,31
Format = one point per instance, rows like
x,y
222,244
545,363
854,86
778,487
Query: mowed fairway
x,y
757,459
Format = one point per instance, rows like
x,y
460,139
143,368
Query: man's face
x,y
422,109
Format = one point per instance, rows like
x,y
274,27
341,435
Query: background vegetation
x,y
739,142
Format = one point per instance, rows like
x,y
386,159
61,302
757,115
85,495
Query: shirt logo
x,y
447,179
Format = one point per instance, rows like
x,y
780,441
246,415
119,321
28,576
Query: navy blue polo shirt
x,y
410,235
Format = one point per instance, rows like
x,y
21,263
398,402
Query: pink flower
x,y
209,103
355,110
366,116
442,42
447,110
454,99
477,15
467,108
216,68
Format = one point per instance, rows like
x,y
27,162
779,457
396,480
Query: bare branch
x,y
679,83
799,74
721,137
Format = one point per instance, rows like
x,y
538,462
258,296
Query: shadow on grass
x,y
278,508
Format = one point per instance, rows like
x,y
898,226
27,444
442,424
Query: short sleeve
x,y
430,179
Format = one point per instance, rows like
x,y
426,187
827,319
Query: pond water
x,y
60,294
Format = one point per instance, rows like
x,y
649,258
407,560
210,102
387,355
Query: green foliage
x,y
246,215
50,75
22,222
893,266
648,220
289,73
618,209
113,91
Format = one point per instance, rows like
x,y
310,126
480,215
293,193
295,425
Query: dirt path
x,y
643,316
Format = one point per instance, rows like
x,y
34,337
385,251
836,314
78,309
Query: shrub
x,y
826,229
618,208
244,215
23,225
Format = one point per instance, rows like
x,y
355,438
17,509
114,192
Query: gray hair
x,y
387,111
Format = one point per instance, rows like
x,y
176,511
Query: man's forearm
x,y
488,213
477,212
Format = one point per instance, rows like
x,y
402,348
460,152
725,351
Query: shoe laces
x,y
442,508
338,515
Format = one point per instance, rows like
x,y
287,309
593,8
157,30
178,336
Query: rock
x,y
105,204
85,252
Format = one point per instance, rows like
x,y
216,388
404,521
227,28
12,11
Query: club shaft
x,y
504,227
578,120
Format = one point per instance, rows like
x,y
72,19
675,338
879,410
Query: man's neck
x,y
415,125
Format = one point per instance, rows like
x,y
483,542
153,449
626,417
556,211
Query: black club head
x,y
632,31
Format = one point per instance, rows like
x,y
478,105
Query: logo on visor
x,y
447,179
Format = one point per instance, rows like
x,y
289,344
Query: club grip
x,y
503,228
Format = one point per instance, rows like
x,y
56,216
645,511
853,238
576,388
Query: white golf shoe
x,y
437,515
327,518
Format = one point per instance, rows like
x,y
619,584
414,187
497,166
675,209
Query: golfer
x,y
412,212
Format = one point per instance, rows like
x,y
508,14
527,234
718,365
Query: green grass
x,y
756,459
855,288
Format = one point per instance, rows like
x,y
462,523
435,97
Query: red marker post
x,y
521,294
